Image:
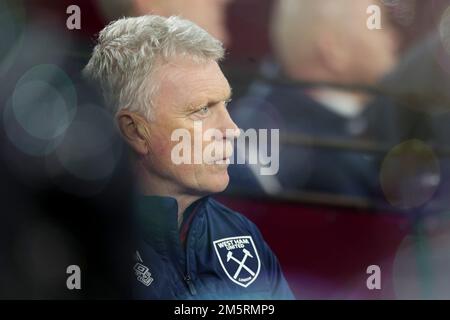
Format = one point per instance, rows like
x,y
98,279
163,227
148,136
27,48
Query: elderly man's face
x,y
189,93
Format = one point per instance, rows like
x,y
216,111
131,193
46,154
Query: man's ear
x,y
134,130
333,54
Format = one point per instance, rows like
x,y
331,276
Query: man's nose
x,y
228,126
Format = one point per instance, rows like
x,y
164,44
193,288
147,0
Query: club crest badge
x,y
239,259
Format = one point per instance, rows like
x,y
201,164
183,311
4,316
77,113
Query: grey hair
x,y
129,49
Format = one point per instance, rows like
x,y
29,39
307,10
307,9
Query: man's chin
x,y
218,182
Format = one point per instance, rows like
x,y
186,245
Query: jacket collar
x,y
157,219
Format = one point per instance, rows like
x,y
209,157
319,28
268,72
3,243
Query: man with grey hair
x,y
160,75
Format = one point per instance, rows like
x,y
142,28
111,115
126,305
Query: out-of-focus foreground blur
x,y
363,109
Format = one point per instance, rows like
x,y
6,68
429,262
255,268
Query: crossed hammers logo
x,y
241,263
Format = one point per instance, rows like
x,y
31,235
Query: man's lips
x,y
226,155
223,161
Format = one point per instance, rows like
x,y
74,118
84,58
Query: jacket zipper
x,y
187,277
190,285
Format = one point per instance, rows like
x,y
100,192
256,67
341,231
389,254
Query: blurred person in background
x,y
208,14
318,42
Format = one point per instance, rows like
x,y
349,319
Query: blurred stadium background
x,y
66,191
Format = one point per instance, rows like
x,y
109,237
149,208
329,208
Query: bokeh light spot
x,y
410,174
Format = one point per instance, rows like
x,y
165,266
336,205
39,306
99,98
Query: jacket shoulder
x,y
223,213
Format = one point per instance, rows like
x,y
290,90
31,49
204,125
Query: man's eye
x,y
227,102
203,111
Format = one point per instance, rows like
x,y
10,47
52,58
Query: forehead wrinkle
x,y
188,86
208,99
204,91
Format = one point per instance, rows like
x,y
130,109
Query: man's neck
x,y
345,104
184,201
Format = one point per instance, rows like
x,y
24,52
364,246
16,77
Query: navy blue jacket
x,y
215,254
